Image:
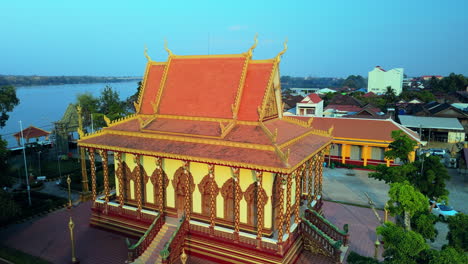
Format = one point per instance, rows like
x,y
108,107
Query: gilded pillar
x,y
212,196
320,172
119,172
365,154
187,204
237,195
139,194
298,193
84,174
310,178
281,211
317,167
92,162
160,185
288,202
260,206
387,161
105,168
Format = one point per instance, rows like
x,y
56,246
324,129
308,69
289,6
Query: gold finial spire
x,y
254,45
285,44
146,54
166,48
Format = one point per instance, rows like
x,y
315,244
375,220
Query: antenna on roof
x,y
254,45
285,44
146,54
166,48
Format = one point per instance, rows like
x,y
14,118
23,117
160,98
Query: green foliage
x,y
110,104
390,96
452,83
401,246
394,174
10,209
431,182
8,101
16,256
425,96
447,255
89,105
355,81
401,146
404,197
355,258
423,223
458,232
134,98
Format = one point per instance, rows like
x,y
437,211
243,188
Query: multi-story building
x,y
311,105
380,79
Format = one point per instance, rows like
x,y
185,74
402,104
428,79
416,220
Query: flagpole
x,y
25,163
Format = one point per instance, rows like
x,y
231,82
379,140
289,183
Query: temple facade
x,y
209,167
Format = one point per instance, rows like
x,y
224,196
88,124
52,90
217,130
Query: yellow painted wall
x,y
293,190
149,192
132,188
116,164
170,166
198,171
149,165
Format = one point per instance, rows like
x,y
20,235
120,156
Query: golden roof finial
x,y
166,48
146,54
278,57
254,45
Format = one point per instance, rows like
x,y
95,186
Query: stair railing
x,y
137,249
328,228
173,247
312,233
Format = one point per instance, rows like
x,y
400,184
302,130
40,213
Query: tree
x,y
394,174
458,232
110,104
431,181
447,255
134,98
8,101
423,223
406,200
390,96
401,146
401,246
355,81
89,105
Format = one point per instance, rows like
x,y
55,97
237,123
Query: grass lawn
x,y
17,256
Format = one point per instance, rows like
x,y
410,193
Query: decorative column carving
x,y
288,203
320,172
212,197
298,194
138,195
161,185
316,176
84,174
187,190
237,197
281,211
105,168
310,180
92,162
119,172
260,207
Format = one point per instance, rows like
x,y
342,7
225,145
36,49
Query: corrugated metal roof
x,y
430,122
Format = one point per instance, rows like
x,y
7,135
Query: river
x,y
41,105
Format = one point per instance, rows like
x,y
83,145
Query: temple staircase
x,y
152,253
119,223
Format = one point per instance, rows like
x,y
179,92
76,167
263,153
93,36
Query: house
x,y
341,105
209,166
441,129
428,77
311,105
380,79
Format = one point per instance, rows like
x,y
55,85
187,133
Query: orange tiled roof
x,y
32,132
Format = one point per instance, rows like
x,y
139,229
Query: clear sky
x,y
327,38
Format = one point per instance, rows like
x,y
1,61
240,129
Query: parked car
x,y
442,210
438,152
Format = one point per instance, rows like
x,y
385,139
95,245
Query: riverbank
x,y
33,80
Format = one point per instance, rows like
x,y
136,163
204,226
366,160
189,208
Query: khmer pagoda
x,y
208,166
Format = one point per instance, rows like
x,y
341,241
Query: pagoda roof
x,y
32,132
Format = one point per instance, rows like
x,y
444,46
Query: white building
x,y
311,105
380,79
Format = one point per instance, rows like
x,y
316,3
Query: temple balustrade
x,y
326,227
173,248
316,241
135,250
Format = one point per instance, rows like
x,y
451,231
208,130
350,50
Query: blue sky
x,y
326,38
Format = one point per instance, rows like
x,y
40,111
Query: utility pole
x,y
25,164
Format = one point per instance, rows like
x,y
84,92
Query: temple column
x,y
298,194
92,162
316,175
187,190
105,168
160,185
281,213
365,154
320,172
237,195
119,172
260,207
310,180
387,161
212,197
344,149
84,175
288,203
139,194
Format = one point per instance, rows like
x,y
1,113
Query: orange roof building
x,y
31,132
209,158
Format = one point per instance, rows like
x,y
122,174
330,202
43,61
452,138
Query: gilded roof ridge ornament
x,y
167,49
146,54
285,44
250,51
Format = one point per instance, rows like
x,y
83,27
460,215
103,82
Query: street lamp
x,y
422,163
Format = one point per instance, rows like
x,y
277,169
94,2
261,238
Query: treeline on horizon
x,y
22,80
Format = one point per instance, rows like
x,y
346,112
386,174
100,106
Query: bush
x,y
355,258
458,232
